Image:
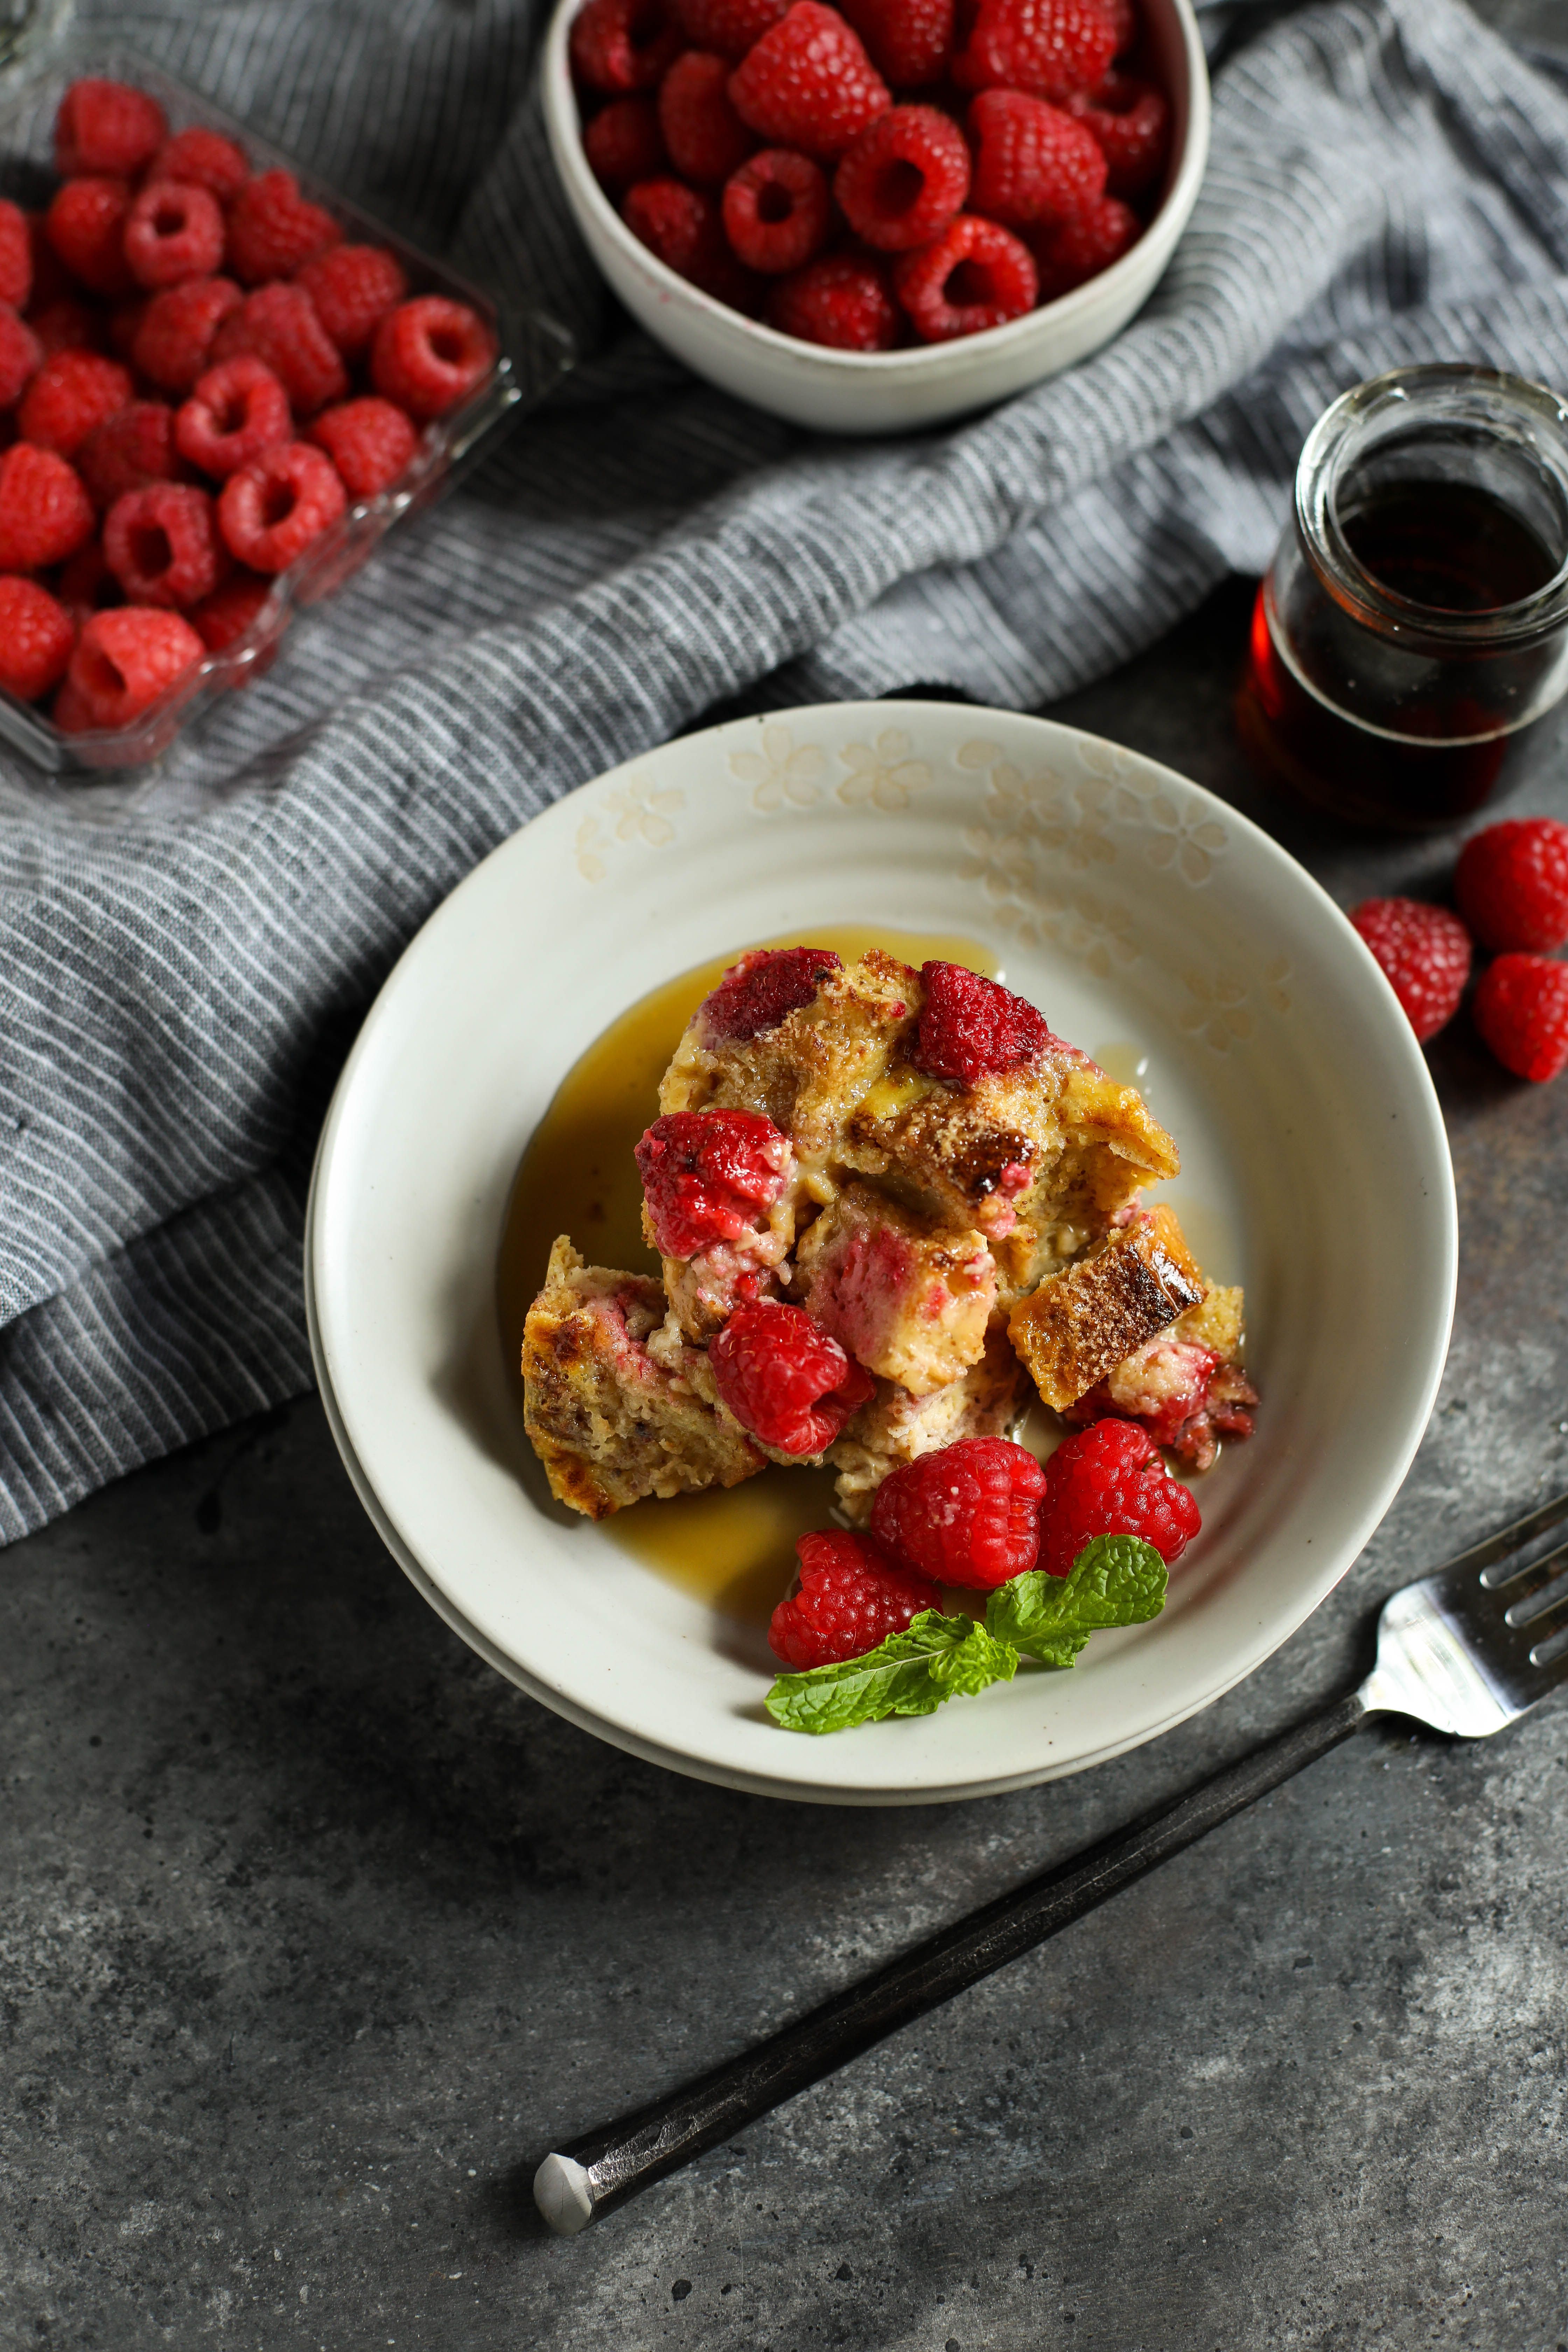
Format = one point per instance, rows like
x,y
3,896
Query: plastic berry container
x,y
532,350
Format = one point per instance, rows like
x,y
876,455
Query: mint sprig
x,y
1114,1581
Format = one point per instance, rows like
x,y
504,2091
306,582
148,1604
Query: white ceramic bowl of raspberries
x,y
879,216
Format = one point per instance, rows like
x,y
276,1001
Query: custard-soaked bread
x,y
609,1422
1086,1318
897,1427
906,1300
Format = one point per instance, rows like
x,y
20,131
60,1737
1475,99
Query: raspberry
x,y
909,42
177,327
1079,249
968,1514
904,179
173,231
105,126
124,660
428,354
808,83
161,545
1047,49
202,158
279,326
128,451
845,300
45,513
624,144
1521,1012
783,1379
1123,19
123,325
1111,1481
86,226
682,225
36,639
15,257
69,712
776,211
973,276
86,585
730,26
851,1598
273,230
370,442
704,137
708,1174
1130,120
759,991
621,46
224,616
52,281
21,356
1511,884
971,1026
1033,161
353,286
273,508
71,393
1425,953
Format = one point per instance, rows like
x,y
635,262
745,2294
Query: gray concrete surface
x,y
316,1934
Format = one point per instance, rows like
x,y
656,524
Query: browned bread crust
x,y
1082,1321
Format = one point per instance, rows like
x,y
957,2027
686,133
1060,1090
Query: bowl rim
x,y
564,130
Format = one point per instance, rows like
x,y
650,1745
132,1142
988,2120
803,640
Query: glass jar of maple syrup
x,y
1409,647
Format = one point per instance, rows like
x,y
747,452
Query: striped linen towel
x,y
183,962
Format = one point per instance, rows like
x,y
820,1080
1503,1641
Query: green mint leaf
x,y
1114,1581
936,1658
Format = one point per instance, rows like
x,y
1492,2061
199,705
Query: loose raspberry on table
x,y
16,255
70,394
708,1176
624,144
972,276
1123,19
775,211
851,1598
844,300
1521,1012
273,508
1079,249
173,231
352,287
968,1514
703,136
174,342
904,179
683,228
783,1379
86,225
279,326
764,986
125,660
237,410
620,46
1033,163
430,354
1424,951
807,83
106,126
909,42
86,585
728,27
35,638
1511,884
65,326
222,618
128,451
369,441
1048,48
1111,1481
273,230
161,545
202,158
971,1026
1130,121
21,356
45,513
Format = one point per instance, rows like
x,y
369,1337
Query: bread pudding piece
x,y
897,1427
1087,1318
610,1422
907,1302
1185,1385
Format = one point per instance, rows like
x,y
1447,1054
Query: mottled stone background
x,y
316,1933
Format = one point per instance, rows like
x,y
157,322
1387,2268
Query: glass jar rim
x,y
1348,429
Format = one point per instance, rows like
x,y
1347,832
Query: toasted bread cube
x,y
1082,1321
905,1301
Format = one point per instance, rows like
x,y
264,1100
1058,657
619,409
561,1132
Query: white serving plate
x,y
1138,911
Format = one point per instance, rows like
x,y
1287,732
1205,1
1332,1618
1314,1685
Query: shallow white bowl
x,y
1137,910
886,392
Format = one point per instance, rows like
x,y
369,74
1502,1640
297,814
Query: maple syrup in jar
x,y
1409,647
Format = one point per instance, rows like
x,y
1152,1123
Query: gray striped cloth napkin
x,y
183,961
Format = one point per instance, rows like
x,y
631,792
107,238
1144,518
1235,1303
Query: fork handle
x,y
576,2183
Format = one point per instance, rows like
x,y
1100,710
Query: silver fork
x,y
1466,1650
